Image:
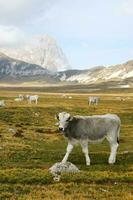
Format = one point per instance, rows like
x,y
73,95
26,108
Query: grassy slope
x,y
25,161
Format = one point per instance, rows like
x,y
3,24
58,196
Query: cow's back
x,y
91,127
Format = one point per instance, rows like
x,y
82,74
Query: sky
x,y
90,32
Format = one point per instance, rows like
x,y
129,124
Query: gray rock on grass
x,y
58,168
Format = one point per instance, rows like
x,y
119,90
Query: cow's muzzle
x,y
61,129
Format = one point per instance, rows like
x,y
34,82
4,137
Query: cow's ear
x,y
57,116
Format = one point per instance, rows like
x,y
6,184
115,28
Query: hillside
x,y
12,70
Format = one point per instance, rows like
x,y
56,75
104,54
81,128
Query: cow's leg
x,y
113,148
69,149
84,145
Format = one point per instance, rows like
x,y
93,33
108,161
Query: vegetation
x,y
27,155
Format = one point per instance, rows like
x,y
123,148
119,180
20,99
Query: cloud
x,y
19,12
84,19
79,26
11,36
69,17
17,18
85,45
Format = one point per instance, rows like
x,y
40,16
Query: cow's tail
x,y
118,133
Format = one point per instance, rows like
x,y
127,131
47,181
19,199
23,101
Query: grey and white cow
x,y
33,98
90,129
93,100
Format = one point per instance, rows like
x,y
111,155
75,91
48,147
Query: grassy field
x,y
25,160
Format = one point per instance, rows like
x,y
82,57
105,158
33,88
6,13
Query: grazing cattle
x,y
27,97
64,96
93,129
21,96
93,100
2,103
33,98
122,98
18,99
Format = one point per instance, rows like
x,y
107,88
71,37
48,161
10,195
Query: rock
x,y
59,168
103,190
12,130
64,167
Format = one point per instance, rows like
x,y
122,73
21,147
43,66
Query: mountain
x,y
41,50
12,70
121,73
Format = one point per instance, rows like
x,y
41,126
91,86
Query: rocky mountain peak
x,y
40,50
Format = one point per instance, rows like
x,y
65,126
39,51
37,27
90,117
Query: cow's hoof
x,y
88,164
111,161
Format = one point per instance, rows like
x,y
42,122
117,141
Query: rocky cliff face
x,y
12,70
43,51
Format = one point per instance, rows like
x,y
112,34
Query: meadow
x,y
26,157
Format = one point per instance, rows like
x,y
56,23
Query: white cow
x,y
21,96
32,98
2,103
93,100
121,98
18,99
64,96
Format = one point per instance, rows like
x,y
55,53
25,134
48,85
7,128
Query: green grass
x,y
25,160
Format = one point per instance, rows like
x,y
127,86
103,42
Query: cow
x,y
32,98
2,103
69,97
93,100
64,96
90,129
27,96
21,96
18,99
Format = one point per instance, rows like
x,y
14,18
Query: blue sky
x,y
98,32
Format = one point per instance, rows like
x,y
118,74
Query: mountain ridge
x,y
13,70
100,74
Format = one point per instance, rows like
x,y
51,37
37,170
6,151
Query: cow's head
x,y
63,119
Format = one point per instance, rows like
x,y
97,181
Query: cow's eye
x,y
68,119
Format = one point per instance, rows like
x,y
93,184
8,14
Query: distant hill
x,y
122,73
13,70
